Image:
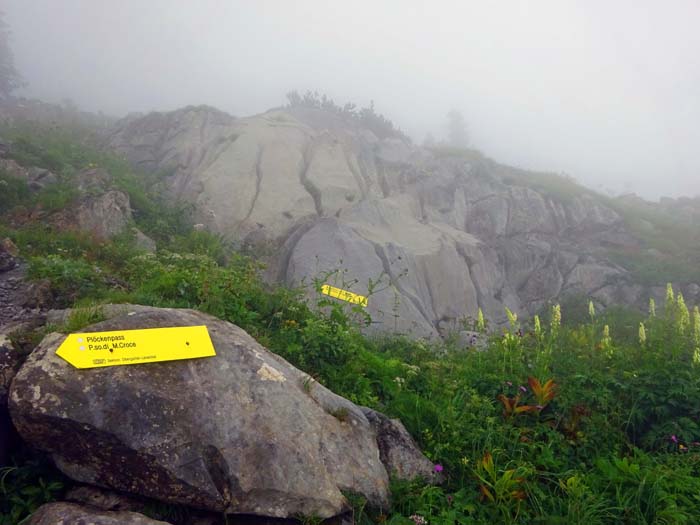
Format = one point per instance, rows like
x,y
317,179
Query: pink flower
x,y
674,438
509,383
523,388
438,467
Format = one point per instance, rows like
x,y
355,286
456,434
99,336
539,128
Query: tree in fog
x,y
457,129
9,78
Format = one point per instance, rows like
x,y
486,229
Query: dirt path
x,y
18,298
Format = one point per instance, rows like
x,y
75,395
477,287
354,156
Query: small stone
x,y
70,513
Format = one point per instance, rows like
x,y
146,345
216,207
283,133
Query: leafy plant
x,y
25,487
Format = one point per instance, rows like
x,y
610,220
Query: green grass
x,y
675,245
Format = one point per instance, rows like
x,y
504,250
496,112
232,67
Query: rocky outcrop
x,y
444,233
70,513
96,208
241,432
99,209
36,178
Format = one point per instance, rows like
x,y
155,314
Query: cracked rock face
x,y
241,432
446,235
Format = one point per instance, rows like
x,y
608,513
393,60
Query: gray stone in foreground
x,y
243,432
72,514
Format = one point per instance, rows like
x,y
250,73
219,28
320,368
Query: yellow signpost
x,y
344,295
129,347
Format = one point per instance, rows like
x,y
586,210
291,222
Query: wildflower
x,y
539,407
438,467
512,317
674,438
450,499
464,460
508,337
682,447
606,341
480,325
400,381
556,318
683,314
591,309
522,388
670,300
538,326
509,383
412,370
652,307
642,334
418,519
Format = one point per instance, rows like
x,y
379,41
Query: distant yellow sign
x,y
344,295
130,347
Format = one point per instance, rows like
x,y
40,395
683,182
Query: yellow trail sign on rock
x,y
344,295
130,347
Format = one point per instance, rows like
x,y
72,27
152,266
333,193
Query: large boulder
x,y
241,432
445,233
72,514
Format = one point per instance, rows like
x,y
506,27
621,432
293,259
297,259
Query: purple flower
x,y
674,438
450,499
539,407
509,383
438,468
523,388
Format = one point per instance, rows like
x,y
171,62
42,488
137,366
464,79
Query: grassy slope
x,y
614,442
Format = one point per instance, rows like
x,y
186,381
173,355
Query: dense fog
x,y
604,91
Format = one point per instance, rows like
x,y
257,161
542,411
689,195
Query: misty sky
x,y
606,91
